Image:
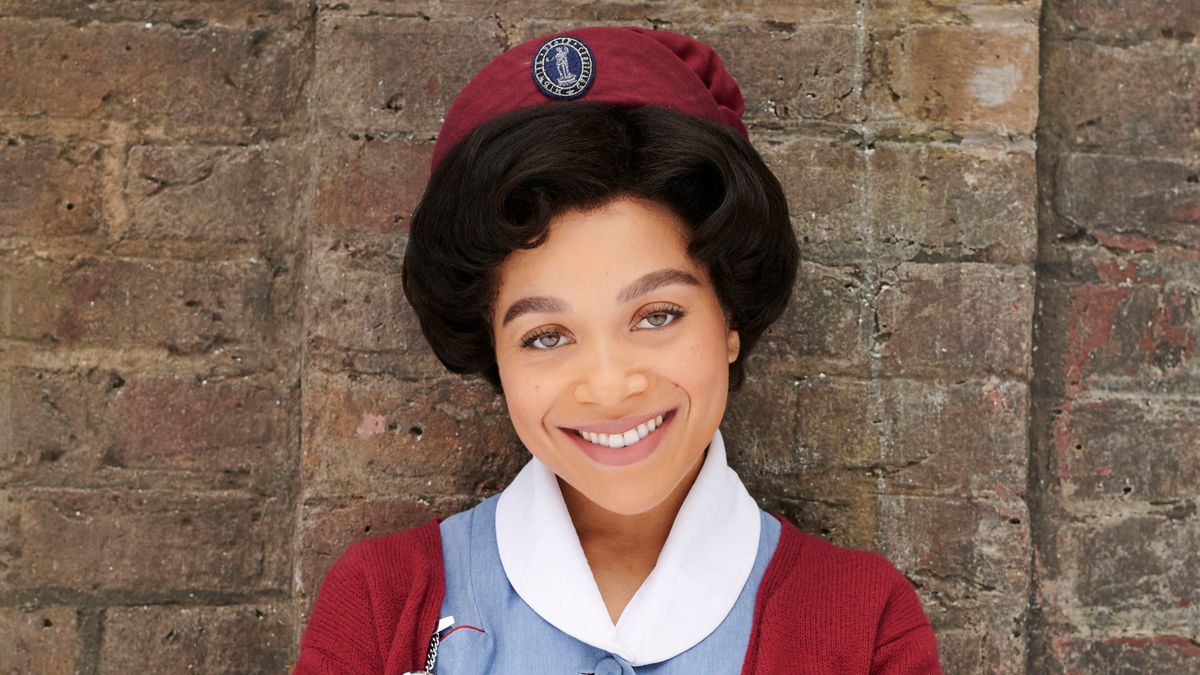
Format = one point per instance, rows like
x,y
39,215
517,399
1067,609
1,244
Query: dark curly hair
x,y
497,190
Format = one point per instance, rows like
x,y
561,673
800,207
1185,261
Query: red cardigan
x,y
820,608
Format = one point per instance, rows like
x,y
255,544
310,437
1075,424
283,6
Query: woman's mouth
x,y
627,437
622,444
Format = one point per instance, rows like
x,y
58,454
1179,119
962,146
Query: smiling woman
x,y
608,264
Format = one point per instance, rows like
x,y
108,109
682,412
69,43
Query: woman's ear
x,y
733,344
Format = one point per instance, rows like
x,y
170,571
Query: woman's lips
x,y
628,453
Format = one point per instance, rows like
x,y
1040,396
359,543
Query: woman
x,y
608,261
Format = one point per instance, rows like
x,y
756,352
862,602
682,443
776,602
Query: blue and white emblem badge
x,y
563,68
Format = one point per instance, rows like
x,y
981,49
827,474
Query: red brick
x,y
184,13
1115,335
955,319
148,543
234,77
988,644
1151,199
357,305
51,187
968,556
962,78
406,85
224,194
967,439
1122,20
789,73
1135,572
329,526
1140,100
1158,653
940,203
370,182
1119,449
823,326
379,435
165,639
824,181
230,429
39,640
951,11
184,307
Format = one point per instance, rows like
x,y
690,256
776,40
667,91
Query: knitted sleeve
x,y
340,637
376,607
905,643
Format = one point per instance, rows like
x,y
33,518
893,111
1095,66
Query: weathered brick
x,y
815,423
1122,20
824,182
357,306
649,13
154,544
227,639
224,194
394,89
789,73
182,13
378,435
823,326
184,307
235,77
1128,654
922,324
901,12
51,187
963,438
370,182
1114,335
39,641
329,526
1140,100
1150,199
235,429
932,203
43,422
963,78
986,644
1116,448
1135,572
968,556
837,506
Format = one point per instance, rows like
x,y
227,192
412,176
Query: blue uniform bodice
x,y
496,633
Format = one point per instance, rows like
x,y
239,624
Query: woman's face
x,y
614,353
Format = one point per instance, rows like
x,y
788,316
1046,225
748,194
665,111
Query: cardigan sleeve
x,y
905,643
340,638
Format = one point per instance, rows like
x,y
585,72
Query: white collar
x,y
700,572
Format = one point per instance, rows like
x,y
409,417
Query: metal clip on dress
x,y
434,641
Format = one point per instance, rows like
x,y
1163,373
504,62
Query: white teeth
x,y
623,439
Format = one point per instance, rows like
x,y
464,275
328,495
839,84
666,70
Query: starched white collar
x,y
701,570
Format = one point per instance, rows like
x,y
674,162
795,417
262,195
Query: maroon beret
x,y
624,66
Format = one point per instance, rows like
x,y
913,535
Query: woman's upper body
x,y
801,606
608,264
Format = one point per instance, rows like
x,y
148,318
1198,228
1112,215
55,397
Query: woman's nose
x,y
609,378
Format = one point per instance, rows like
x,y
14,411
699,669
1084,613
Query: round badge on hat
x,y
563,68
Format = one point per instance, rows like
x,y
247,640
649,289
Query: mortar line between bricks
x,y
1035,478
304,244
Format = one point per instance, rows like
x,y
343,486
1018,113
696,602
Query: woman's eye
x,y
659,318
547,340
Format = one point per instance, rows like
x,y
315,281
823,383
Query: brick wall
x,y
1116,417
210,382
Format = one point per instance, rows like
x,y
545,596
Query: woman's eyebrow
x,y
654,280
643,285
537,303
